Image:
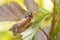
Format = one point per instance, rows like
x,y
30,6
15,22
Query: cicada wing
x,y
20,26
7,10
31,5
17,9
6,14
11,12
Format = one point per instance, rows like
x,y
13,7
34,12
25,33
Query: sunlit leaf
x,y
2,2
6,35
5,25
41,13
46,4
18,37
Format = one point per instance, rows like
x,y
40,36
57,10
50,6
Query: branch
x,y
54,16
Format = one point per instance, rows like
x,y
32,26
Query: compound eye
x,y
27,15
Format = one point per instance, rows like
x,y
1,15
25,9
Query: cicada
x,y
15,11
21,25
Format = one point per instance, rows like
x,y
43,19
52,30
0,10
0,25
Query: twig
x,y
54,16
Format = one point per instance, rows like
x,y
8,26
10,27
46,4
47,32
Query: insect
x,y
15,11
21,25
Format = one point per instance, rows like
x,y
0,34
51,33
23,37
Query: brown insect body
x,y
21,25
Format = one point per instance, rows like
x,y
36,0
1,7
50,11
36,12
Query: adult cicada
x,y
15,11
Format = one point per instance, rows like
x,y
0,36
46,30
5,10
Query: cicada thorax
x,y
21,25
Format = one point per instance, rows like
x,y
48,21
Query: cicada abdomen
x,y
21,25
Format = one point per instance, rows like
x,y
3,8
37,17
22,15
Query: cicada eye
x,y
28,14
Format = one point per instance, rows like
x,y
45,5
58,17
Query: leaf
x,y
29,33
42,12
18,37
2,2
39,35
6,25
6,35
58,36
58,5
46,4
31,5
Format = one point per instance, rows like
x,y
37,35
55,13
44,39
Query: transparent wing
x,y
31,5
11,12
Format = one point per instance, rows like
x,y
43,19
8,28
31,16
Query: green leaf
x,y
40,14
57,5
18,37
6,35
58,36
